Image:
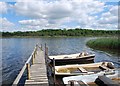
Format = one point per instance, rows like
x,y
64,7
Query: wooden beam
x,y
19,76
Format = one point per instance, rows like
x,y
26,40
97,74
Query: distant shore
x,y
62,33
47,36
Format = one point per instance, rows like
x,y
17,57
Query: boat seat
x,y
103,67
82,69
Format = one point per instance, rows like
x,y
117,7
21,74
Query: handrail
x,y
16,81
19,75
31,55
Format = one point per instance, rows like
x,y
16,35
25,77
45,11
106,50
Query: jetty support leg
x,y
33,59
28,70
54,77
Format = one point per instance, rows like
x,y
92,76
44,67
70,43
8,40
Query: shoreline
x,y
50,36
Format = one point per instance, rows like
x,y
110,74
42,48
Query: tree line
x,y
64,32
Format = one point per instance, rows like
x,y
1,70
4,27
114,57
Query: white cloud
x,y
57,9
3,7
109,20
57,12
114,10
44,14
5,24
36,24
33,22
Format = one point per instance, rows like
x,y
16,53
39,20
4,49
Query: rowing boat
x,y
89,79
79,58
83,69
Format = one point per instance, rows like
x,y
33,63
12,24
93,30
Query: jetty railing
x,y
27,65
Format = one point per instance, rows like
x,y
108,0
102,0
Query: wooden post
x,y
33,59
46,53
45,48
28,70
71,83
41,47
34,55
36,49
54,77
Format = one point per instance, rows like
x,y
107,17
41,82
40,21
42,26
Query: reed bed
x,y
111,44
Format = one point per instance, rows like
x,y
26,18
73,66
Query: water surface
x,y
15,51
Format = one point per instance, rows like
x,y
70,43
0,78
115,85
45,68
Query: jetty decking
x,y
38,74
36,69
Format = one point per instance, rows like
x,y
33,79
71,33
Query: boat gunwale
x,y
71,56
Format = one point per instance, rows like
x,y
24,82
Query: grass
x,y
105,44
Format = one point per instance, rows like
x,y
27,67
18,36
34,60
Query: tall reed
x,y
105,43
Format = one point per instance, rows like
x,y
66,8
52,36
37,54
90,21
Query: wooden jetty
x,y
36,69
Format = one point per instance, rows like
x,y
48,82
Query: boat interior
x,y
84,69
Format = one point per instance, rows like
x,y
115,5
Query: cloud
x,y
6,25
3,7
57,9
57,12
114,10
33,22
41,14
109,19
37,24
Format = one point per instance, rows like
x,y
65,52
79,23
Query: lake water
x,y
15,52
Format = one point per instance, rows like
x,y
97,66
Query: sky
x,y
33,15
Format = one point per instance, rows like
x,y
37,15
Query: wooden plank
x,y
82,69
103,67
34,78
27,82
37,80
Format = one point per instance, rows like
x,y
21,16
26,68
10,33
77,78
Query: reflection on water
x,y
15,51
